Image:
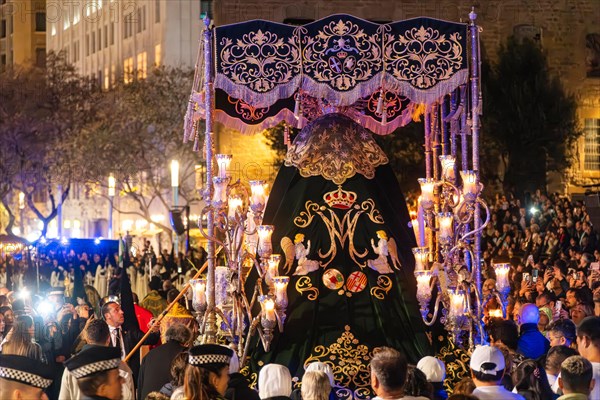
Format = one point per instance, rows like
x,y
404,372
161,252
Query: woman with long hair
x,y
207,372
19,341
531,381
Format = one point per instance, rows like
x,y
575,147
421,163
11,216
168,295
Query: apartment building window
x,y
106,79
141,19
40,196
113,74
93,37
156,11
53,29
99,39
2,62
40,57
105,36
3,29
591,161
87,44
128,70
112,33
142,65
40,22
157,55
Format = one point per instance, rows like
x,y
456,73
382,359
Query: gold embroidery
x,y
349,362
423,56
336,148
246,111
252,377
457,364
304,284
384,284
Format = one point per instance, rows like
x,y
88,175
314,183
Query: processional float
x,y
340,73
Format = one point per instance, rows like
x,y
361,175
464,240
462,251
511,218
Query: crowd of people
x,y
546,346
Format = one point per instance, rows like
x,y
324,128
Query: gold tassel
x,y
384,117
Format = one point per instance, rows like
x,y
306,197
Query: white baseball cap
x,y
434,369
487,359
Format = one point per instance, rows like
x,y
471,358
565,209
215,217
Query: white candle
x,y
457,303
470,186
264,240
199,292
420,254
274,265
423,279
269,309
446,224
280,283
421,222
235,203
223,161
427,198
502,271
257,198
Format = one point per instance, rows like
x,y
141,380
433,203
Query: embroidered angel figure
x,y
298,251
384,248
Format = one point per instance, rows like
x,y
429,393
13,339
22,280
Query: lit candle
x,y
502,271
447,162
264,240
457,303
268,308
273,266
423,280
223,161
280,283
257,198
199,293
446,223
470,185
220,193
427,198
420,254
235,203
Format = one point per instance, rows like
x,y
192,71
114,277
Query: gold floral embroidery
x,y
336,148
349,362
246,111
384,284
423,56
304,284
457,363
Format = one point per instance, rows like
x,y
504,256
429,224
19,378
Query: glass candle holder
x,y
421,254
280,284
265,247
448,162
427,197
223,161
258,196
446,226
198,294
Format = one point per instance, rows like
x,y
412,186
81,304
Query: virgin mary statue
x,y
342,228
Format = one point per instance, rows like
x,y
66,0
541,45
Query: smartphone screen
x,y
535,273
526,277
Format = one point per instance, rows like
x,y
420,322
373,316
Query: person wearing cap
x,y
435,371
97,372
274,382
96,334
21,378
207,372
487,369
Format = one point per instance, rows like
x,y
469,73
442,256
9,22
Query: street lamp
x,y
112,183
175,186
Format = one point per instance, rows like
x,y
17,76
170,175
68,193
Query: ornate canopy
x,y
267,72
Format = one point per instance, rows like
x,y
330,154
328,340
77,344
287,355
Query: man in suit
x,y
125,333
156,366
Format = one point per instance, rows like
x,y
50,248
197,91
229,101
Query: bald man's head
x,y
529,314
